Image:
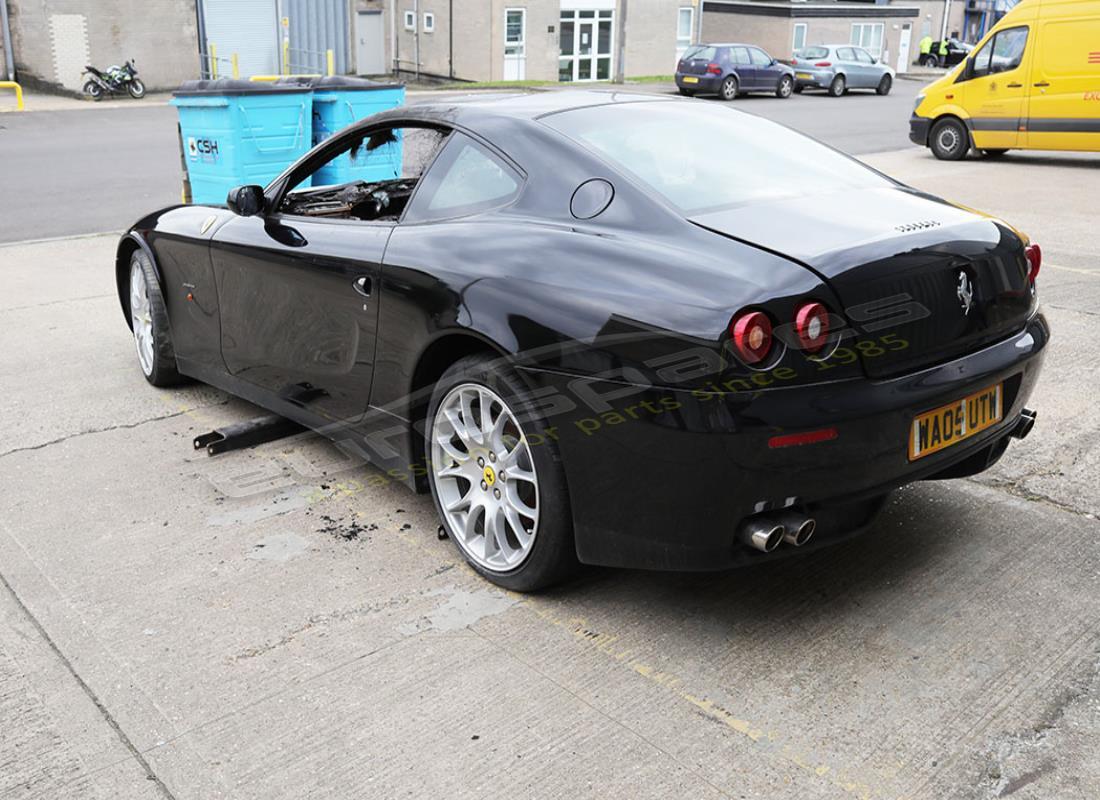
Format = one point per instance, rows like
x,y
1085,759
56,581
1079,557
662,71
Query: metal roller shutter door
x,y
249,28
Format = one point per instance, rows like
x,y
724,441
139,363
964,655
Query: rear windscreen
x,y
813,52
704,156
700,52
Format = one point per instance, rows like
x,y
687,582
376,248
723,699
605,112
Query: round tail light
x,y
751,332
1034,255
811,324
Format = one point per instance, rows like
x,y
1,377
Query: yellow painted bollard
x,y
236,65
214,61
331,62
18,93
286,56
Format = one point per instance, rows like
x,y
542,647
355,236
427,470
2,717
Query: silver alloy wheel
x,y
729,88
786,87
141,316
948,139
484,477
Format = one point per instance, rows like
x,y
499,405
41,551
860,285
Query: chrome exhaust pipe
x,y
798,528
762,534
1024,424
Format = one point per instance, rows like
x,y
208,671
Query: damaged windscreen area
x,y
372,178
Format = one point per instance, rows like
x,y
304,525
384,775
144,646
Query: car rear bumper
x,y
813,78
703,83
662,478
918,130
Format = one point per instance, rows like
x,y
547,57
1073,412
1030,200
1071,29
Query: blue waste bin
x,y
238,132
338,101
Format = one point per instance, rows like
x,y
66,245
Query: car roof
x,y
469,109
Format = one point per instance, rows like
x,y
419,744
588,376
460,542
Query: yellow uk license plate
x,y
803,75
955,422
690,79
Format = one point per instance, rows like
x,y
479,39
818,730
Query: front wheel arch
x,y
130,243
941,118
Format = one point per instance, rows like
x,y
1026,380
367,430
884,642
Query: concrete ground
x,y
281,623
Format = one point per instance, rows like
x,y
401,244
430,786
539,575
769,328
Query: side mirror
x,y
246,201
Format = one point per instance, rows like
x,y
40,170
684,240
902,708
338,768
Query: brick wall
x,y
53,39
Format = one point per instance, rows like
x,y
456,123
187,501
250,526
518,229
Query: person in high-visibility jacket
x,y
943,53
925,49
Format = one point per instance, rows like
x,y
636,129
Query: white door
x,y
370,58
903,47
515,44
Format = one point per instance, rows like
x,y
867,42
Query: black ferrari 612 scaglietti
x,y
605,328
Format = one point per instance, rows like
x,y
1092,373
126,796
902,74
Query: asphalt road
x,y
280,623
95,169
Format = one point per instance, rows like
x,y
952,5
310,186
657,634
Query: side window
x,y
740,56
466,179
369,176
759,57
864,57
846,54
1002,53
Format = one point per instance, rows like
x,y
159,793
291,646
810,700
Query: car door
x,y
765,77
299,301
1064,107
866,69
848,65
995,82
741,64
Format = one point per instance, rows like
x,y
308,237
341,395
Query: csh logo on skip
x,y
202,149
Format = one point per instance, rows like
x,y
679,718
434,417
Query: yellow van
x,y
1032,83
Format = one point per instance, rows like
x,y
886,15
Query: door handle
x,y
362,285
1015,86
1043,83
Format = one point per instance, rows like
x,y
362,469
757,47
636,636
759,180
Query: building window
x,y
685,20
410,20
429,22
799,40
586,45
868,35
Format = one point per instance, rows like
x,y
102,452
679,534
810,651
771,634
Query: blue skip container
x,y
237,132
339,101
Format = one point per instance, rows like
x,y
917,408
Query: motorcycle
x,y
113,80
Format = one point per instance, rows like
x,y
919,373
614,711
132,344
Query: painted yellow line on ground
x,y
840,778
1079,270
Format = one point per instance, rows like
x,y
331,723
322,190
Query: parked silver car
x,y
838,68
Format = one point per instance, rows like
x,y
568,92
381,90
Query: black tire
x,y
929,61
730,88
93,90
839,86
949,140
136,88
162,370
687,92
994,152
885,85
785,88
552,557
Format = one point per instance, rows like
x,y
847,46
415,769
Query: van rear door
x,y
1064,113
997,89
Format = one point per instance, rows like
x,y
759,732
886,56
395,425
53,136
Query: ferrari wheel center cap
x,y
489,475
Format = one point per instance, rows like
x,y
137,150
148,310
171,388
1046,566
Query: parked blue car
x,y
729,70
